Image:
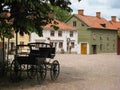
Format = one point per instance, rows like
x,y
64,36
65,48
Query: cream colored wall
x,y
24,39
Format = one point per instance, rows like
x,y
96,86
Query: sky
x,y
107,8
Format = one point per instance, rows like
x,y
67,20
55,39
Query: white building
x,y
65,38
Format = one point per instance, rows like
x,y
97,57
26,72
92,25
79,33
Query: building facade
x,y
95,34
64,39
22,40
116,23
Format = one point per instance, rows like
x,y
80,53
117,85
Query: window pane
x,y
74,23
60,44
60,33
21,43
71,33
52,33
72,44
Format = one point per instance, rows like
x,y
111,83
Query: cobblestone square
x,y
82,72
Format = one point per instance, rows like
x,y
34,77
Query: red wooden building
x,y
118,49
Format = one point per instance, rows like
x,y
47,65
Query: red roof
x,y
115,24
61,25
95,22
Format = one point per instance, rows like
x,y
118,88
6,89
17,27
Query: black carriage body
x,y
38,52
35,60
26,60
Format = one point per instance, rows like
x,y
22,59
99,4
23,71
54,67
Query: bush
x,y
4,67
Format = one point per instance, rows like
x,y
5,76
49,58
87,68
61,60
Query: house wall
x,y
57,39
24,39
85,35
105,41
12,42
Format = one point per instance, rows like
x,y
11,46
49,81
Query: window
x,y
71,33
108,46
82,24
113,46
59,33
12,46
54,44
108,37
101,47
74,23
94,36
51,43
101,38
103,25
52,33
72,44
60,44
21,43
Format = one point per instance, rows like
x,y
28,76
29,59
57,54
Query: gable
x,y
79,22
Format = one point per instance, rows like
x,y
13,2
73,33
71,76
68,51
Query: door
x,y
118,46
83,48
94,49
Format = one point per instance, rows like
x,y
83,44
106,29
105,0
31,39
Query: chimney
x,y
113,18
98,14
81,12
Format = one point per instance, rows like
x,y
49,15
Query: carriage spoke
x,y
55,69
41,72
31,71
15,70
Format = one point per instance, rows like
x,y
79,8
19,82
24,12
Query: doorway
x,y
83,48
94,49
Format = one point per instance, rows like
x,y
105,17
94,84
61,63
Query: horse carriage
x,y
36,61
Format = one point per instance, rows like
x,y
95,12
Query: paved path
x,y
83,72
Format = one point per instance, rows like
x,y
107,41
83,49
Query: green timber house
x,y
95,34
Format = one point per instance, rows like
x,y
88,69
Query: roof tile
x,y
95,22
61,25
115,24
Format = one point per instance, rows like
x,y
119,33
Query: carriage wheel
x,y
31,71
15,70
41,72
55,69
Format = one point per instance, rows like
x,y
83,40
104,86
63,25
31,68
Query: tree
x,y
31,15
5,26
61,14
27,15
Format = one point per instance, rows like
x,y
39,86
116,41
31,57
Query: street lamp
x,y
68,45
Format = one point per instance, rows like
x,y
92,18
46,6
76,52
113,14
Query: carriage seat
x,y
43,52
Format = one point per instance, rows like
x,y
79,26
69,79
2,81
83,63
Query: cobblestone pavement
x,y
83,72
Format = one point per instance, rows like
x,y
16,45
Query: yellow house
x,y
22,40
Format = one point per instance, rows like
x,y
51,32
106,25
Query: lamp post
x,y
68,45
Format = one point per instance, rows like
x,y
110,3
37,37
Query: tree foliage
x,y
5,27
118,34
28,15
61,14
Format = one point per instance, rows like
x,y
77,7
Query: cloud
x,y
114,3
107,8
96,2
